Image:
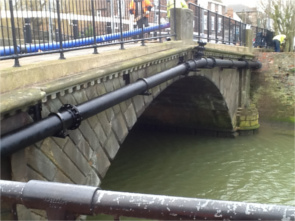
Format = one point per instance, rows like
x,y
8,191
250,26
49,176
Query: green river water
x,y
257,169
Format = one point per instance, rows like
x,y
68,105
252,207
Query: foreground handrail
x,y
64,199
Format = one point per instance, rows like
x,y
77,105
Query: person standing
x,y
278,40
178,4
141,9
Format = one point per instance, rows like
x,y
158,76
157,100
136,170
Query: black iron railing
x,y
212,27
62,201
29,28
262,38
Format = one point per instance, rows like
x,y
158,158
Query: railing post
x,y
28,31
159,20
121,26
235,35
174,18
142,32
59,30
241,42
223,29
93,27
208,25
216,26
16,59
229,31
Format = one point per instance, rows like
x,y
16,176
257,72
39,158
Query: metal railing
x,y
262,37
212,27
29,28
62,201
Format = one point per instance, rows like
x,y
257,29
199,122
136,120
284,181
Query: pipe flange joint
x,y
76,116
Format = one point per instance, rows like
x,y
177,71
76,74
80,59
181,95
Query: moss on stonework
x,y
290,119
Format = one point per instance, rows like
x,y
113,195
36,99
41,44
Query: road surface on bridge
x,y
4,64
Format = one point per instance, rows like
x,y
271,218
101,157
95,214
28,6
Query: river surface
x,y
257,169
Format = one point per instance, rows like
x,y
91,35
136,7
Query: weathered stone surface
x,y
105,123
92,179
112,146
120,128
89,135
273,87
98,130
61,161
43,165
130,116
138,103
100,162
80,142
76,157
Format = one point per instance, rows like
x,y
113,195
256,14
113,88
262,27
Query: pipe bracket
x,y
64,132
146,92
214,62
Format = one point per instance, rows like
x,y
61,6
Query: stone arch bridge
x,y
214,100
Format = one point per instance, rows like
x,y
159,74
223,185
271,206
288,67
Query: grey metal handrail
x,y
61,200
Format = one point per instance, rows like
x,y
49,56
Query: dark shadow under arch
x,y
191,103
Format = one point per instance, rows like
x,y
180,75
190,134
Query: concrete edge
x,y
103,72
50,70
20,98
25,97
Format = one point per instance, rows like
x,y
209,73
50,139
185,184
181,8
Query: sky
x,y
250,3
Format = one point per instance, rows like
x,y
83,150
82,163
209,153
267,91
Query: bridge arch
x,y
194,104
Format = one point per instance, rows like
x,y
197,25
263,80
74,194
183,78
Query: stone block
x,y
92,179
68,99
93,121
91,92
98,130
80,96
244,124
61,161
100,162
40,163
100,88
89,135
138,103
62,178
130,116
77,138
77,158
105,123
112,146
19,165
33,175
120,128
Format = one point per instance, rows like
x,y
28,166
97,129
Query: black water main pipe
x,y
61,200
69,116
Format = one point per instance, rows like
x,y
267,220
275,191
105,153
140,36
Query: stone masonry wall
x,y
273,86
